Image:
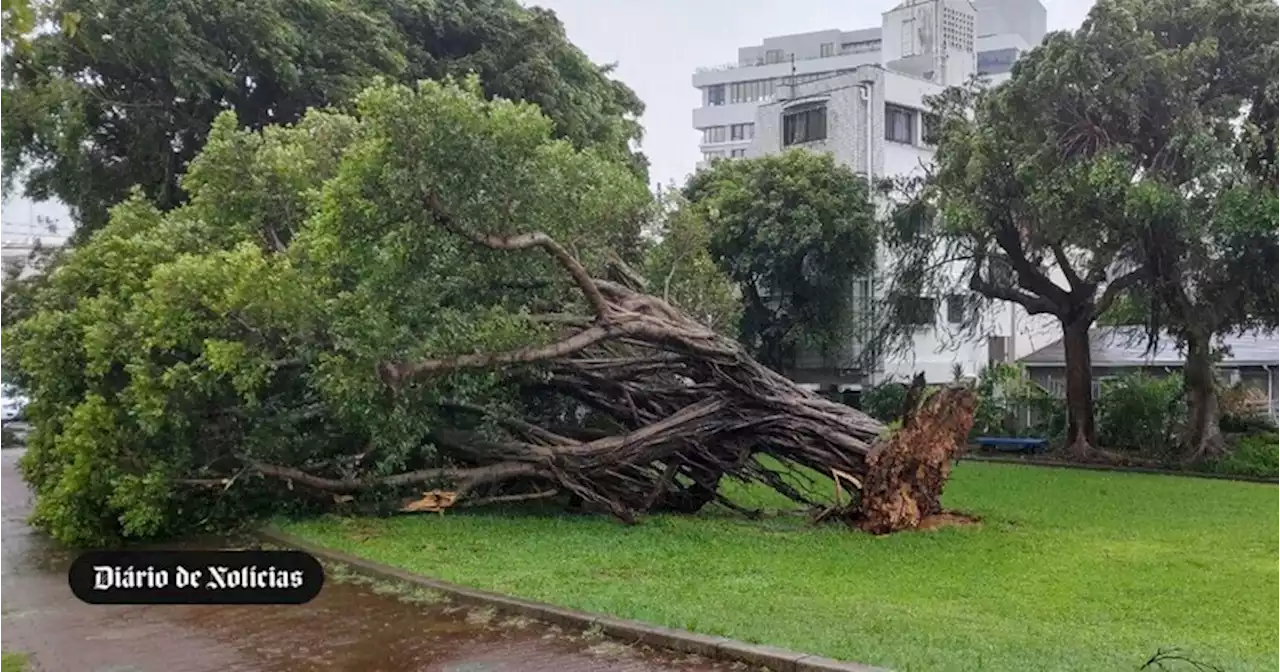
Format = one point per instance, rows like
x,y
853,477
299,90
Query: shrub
x,y
1252,455
1241,407
1011,404
884,401
1141,413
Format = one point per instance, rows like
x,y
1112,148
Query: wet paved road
x,y
347,627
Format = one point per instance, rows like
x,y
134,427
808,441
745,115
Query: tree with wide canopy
x,y
1116,159
114,94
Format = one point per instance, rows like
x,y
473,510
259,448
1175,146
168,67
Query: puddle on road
x,y
354,624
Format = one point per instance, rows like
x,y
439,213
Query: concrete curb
x,y
1061,464
719,648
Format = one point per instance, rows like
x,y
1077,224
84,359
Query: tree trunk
x,y
1082,435
687,407
1202,437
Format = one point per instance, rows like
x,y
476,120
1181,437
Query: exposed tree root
x,y
690,408
905,477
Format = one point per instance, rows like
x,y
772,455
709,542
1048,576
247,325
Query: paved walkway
x,y
348,627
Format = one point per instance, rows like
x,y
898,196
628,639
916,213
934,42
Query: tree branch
x,y
1073,278
393,373
1029,277
1035,305
1115,288
541,494
524,241
465,479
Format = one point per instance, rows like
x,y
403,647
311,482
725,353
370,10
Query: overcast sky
x,y
658,44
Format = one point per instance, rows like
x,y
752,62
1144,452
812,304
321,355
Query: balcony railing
x,y
860,49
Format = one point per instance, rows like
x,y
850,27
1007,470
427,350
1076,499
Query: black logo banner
x,y
196,577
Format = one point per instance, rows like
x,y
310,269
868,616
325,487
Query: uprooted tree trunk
x,y
693,409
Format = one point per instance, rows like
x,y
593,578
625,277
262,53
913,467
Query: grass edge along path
x,y
1070,570
11,661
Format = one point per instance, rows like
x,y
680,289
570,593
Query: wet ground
x,y
351,625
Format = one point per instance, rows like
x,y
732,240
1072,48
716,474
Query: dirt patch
x,y
948,519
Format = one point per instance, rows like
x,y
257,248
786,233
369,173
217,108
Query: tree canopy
x,y
1048,185
247,323
116,94
792,230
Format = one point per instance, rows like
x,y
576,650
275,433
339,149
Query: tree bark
x,y
1082,435
1202,437
684,407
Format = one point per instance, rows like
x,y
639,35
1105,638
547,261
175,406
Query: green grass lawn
x,y
1070,570
13,662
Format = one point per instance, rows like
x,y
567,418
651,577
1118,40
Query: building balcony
x,y
860,49
728,73
724,115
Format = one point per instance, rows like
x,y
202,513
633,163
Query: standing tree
x,y
1136,149
679,268
121,93
1007,214
1203,131
793,230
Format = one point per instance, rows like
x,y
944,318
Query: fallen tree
x,y
446,324
691,407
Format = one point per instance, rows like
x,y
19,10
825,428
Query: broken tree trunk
x,y
691,408
905,475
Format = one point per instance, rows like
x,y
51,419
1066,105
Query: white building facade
x,y
861,96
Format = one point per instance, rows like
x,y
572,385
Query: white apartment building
x,y
26,226
861,96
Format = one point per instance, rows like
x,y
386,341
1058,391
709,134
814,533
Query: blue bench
x,y
1010,444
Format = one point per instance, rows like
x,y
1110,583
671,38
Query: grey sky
x,y
658,44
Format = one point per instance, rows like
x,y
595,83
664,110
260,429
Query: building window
x,y
712,134
715,95
862,47
773,56
804,124
742,131
899,124
917,311
997,61
827,49
929,128
955,308
711,156
750,92
737,153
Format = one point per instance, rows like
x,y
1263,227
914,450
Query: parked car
x,y
13,404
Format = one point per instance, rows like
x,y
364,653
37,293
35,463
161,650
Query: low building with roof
x,y
1251,359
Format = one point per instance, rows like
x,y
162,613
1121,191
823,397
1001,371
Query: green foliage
x,y
1128,310
247,323
1011,404
1124,145
126,92
884,401
680,269
792,230
1252,455
1141,413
